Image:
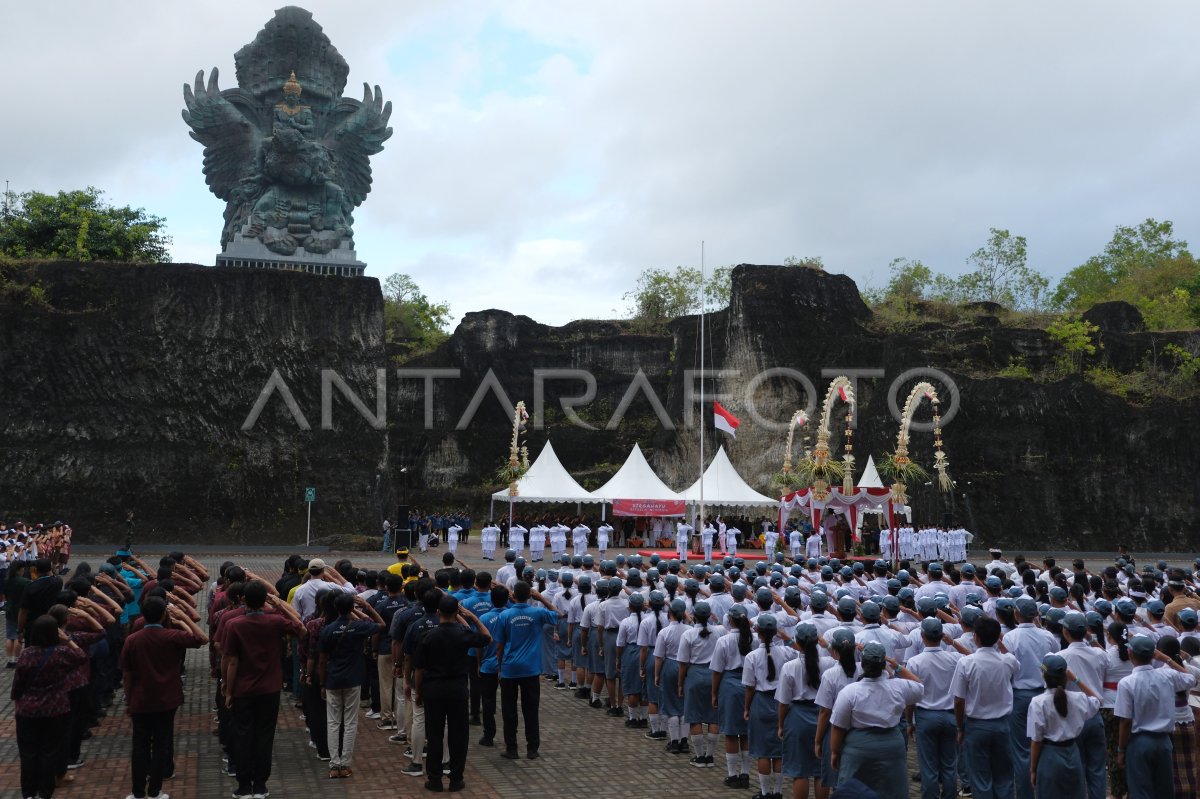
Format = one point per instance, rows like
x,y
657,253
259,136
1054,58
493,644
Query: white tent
x,y
634,480
546,481
870,475
723,486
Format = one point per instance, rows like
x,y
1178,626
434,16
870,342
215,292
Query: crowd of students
x,y
1009,680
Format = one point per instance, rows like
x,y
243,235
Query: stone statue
x,y
286,152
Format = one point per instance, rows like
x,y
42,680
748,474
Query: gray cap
x,y
847,606
1058,593
1125,606
1054,665
1075,623
805,633
842,636
767,622
701,611
932,629
736,612
637,601
970,614
870,611
873,652
716,582
1027,607
1142,646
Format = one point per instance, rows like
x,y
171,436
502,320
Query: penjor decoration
x,y
788,479
817,468
288,154
898,465
518,452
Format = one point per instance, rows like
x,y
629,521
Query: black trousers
x,y
254,719
445,718
530,690
473,684
315,716
78,724
41,743
153,748
488,685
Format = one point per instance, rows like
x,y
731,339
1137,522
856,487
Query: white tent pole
x,y
703,409
491,509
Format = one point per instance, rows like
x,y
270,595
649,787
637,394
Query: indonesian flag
x,y
842,393
724,420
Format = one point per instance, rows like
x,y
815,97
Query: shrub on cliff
x,y
79,226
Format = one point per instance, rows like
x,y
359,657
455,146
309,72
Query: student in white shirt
x,y
537,543
797,708
1146,707
666,676
812,545
937,748
452,538
516,538
488,537
834,680
731,541
629,656
770,539
696,647
706,539
866,743
579,538
1055,720
983,702
760,676
729,695
1090,664
796,543
603,533
652,625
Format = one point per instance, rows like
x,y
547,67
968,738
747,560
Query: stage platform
x,y
744,554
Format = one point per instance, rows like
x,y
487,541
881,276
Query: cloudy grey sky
x,y
545,153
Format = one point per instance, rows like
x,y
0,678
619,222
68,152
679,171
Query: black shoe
x,y
698,761
596,704
532,754
734,782
657,735
486,741
436,787
615,712
745,778
456,785
511,754
708,761
631,723
582,693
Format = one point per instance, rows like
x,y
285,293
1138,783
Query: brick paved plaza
x,y
583,751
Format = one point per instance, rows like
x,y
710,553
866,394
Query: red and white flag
x,y
842,393
724,420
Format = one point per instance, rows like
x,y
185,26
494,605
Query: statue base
x,y
250,253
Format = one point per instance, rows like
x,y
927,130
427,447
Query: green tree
x,y
1002,275
1075,338
409,317
1133,253
662,294
79,226
910,280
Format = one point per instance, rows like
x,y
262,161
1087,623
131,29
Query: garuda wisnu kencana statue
x,y
286,152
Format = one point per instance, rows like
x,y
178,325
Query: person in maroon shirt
x,y
41,703
151,662
253,680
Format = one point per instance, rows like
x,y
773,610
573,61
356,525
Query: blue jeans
x,y
1092,755
986,745
937,753
1019,739
1148,765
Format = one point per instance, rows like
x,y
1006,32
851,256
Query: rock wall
x,y
1038,464
127,389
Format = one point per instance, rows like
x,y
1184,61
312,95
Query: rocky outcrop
x,y
127,389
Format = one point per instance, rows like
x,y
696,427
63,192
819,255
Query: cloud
x,y
545,153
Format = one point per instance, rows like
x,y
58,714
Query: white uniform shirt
x,y
452,532
1148,697
874,702
602,534
1044,723
627,632
1115,670
793,680
833,681
935,666
812,546
648,631
984,680
726,654
695,649
1089,664
1029,644
667,645
754,669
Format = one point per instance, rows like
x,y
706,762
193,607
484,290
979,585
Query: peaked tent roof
x,y
634,480
870,475
547,481
724,486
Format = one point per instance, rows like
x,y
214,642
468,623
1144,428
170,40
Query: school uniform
x,y
683,534
800,724
731,541
874,749
1060,772
812,546
589,625
764,710
1090,665
516,539
983,680
770,539
666,647
452,537
1147,697
537,543
647,636
728,661
488,537
936,733
579,538
796,544
612,612
603,533
706,540
1029,644
833,681
696,651
630,662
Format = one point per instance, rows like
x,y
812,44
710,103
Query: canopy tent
x,y
855,502
870,475
634,480
546,481
724,487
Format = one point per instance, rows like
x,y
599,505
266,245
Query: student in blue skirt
x,y
629,657
666,677
760,676
728,694
696,647
797,709
1056,719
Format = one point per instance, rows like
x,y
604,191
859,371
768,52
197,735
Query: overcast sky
x,y
545,153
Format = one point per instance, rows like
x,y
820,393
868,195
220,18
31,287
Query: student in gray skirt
x,y
760,676
666,677
695,683
797,721
729,695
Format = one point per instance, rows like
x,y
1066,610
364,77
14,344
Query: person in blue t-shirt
x,y
519,652
477,599
343,671
489,664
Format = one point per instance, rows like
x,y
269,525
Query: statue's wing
x,y
230,139
358,133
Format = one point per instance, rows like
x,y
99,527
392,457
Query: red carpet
x,y
745,554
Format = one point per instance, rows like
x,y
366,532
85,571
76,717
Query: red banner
x,y
648,507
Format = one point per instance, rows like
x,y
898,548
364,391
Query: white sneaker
x,y
162,796
371,714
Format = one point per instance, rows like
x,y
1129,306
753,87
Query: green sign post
x,y
310,496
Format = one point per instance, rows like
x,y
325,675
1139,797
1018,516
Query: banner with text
x,y
648,507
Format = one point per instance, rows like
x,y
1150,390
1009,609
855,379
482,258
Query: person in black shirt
x,y
441,687
38,596
388,603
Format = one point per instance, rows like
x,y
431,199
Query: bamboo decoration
x,y
787,479
899,465
518,452
818,468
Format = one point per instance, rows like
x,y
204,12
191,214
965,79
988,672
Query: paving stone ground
x,y
583,751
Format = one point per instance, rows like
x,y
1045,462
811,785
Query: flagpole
x,y
703,409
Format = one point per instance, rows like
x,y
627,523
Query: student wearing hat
x,y
799,681
1029,644
696,647
760,676
629,656
1056,719
1146,707
983,703
728,694
834,679
1090,665
648,632
866,743
666,676
937,749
